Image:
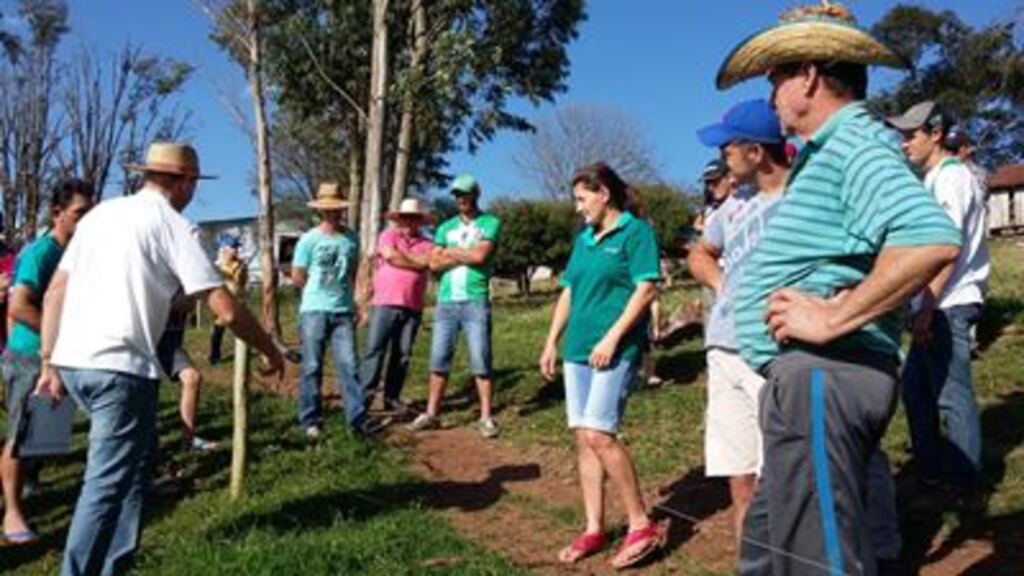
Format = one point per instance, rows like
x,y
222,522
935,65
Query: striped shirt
x,y
849,195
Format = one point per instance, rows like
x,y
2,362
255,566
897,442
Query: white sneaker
x,y
488,428
423,422
314,433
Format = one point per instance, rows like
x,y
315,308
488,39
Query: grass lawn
x,y
350,507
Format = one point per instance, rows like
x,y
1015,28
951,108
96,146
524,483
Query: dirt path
x,y
524,504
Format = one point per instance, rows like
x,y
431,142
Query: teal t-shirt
x,y
330,261
602,276
850,195
467,283
36,267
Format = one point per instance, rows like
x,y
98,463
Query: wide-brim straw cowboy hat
x,y
328,197
826,32
410,208
171,158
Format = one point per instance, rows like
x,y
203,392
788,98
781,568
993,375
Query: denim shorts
x,y
596,399
449,319
21,372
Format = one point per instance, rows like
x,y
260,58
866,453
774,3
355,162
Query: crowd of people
x,y
826,233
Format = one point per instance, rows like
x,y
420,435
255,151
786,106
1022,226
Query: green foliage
x,y
533,233
670,211
481,53
978,74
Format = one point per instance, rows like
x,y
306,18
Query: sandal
x,y
586,544
21,538
652,538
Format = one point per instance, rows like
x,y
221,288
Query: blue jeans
x,y
937,389
316,330
450,318
105,528
391,328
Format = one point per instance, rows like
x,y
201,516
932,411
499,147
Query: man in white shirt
x,y
103,315
936,379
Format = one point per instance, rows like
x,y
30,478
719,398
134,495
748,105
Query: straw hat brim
x,y
425,216
328,204
168,170
803,41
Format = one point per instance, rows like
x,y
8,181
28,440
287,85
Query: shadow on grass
x,y
1007,558
695,496
323,510
681,366
1003,431
999,315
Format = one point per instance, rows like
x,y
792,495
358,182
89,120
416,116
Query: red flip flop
x,y
652,536
586,544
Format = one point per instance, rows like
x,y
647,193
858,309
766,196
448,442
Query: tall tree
x,y
373,191
413,82
108,107
978,74
577,135
479,54
30,135
239,29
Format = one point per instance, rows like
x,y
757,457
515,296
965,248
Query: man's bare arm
x,y
898,274
22,309
703,264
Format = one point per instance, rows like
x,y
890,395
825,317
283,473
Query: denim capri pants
x,y
596,399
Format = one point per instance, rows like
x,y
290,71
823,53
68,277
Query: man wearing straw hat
x,y
324,267
855,236
401,269
103,315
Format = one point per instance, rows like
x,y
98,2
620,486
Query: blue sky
x,y
655,60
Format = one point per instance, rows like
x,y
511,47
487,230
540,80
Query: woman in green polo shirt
x,y
608,287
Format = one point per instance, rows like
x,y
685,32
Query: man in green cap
x,y
463,251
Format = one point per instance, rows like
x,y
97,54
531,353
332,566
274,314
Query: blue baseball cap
x,y
229,241
750,121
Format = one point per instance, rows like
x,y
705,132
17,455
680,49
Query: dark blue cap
x,y
750,121
229,241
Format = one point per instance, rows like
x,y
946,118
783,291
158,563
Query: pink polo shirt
x,y
396,286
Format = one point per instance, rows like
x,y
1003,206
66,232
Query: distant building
x,y
246,228
1006,199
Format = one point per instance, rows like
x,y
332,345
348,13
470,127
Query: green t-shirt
x,y
36,266
602,276
330,261
467,283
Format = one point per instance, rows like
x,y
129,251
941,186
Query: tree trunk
x,y
240,441
268,268
405,130
372,189
355,182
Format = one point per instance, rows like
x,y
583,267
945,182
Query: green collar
x,y
824,132
624,219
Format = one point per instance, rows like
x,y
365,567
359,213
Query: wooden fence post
x,y
239,442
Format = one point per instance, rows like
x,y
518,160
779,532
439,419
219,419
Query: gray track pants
x,y
822,418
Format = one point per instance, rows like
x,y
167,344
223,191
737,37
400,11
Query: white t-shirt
x,y
125,262
963,199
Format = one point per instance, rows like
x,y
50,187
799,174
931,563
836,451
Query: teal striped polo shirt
x,y
850,194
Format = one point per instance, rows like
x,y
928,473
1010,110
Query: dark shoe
x,y
929,498
889,567
370,426
397,407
